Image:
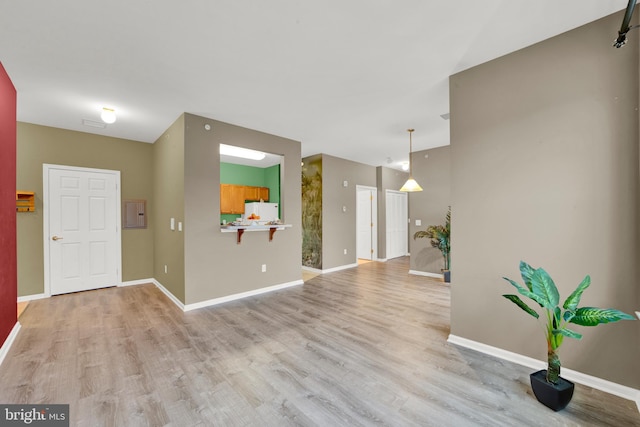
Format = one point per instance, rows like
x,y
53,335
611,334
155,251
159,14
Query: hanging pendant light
x,y
411,184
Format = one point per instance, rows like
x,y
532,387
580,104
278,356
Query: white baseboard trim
x,y
221,300
9,341
26,298
339,268
588,380
136,282
169,295
229,298
330,270
382,259
427,274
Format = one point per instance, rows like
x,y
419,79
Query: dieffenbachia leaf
x,y
569,333
557,313
516,300
568,315
526,292
526,271
574,299
542,285
592,316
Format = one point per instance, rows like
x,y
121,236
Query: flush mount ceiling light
x,y
108,115
245,153
411,185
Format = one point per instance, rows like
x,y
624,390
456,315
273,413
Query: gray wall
x,y
544,148
338,227
168,177
433,173
215,266
386,179
41,144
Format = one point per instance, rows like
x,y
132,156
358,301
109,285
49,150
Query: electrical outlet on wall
x,y
165,269
264,268
345,251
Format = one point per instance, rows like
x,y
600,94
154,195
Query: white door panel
x,y
82,233
397,226
364,225
366,218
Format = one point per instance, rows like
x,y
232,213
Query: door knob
x,y
54,238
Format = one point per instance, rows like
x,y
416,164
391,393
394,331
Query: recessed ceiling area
x,y
344,78
268,161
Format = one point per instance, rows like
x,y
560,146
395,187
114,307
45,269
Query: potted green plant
x,y
549,388
440,239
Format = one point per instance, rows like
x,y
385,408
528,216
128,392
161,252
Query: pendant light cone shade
x,y
108,115
411,185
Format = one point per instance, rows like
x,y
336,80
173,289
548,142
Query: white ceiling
x,y
346,78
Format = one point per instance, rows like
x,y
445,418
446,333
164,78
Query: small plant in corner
x,y
440,236
540,288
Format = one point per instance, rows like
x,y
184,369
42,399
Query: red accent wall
x,y
8,275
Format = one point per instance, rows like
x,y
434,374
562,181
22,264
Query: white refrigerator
x,y
266,211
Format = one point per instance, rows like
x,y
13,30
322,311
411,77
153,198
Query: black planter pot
x,y
447,276
554,396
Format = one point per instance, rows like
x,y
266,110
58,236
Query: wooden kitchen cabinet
x,y
264,194
232,197
255,194
252,193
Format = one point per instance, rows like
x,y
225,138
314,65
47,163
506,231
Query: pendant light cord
x,y
410,150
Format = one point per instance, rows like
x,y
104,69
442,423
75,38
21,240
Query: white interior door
x,y
82,232
397,224
367,218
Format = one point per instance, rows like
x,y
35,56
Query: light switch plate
x,y
418,222
179,225
172,224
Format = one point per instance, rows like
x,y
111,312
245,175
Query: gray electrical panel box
x,y
134,214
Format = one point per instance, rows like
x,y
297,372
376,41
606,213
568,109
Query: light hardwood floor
x,y
360,347
22,307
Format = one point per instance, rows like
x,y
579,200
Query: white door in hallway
x,y
367,219
397,223
81,229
